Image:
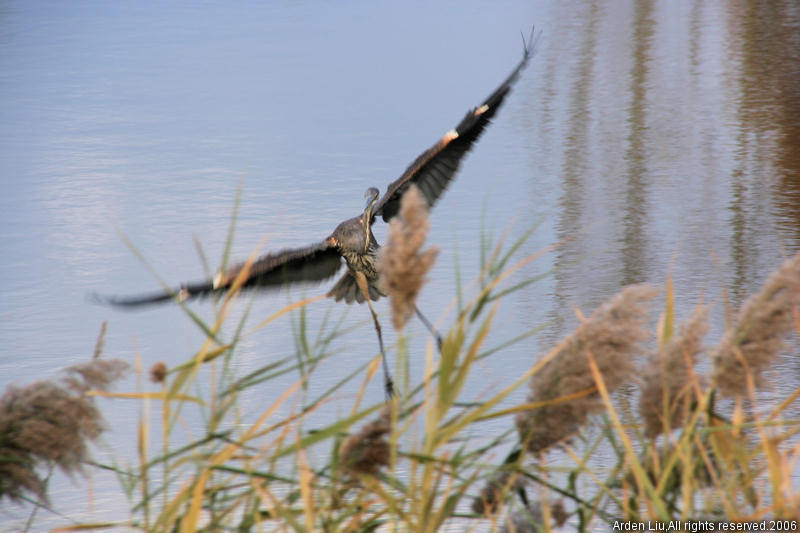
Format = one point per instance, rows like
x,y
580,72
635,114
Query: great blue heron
x,y
352,239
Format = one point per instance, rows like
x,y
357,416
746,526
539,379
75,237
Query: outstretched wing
x,y
313,263
433,170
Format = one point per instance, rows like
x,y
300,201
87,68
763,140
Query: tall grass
x,y
672,449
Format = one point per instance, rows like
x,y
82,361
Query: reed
x,y
565,388
755,339
403,264
425,461
50,424
667,396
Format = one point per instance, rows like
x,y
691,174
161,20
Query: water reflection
x,y
635,187
765,39
681,118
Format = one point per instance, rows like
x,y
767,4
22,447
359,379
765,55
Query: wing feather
x,y
433,170
312,263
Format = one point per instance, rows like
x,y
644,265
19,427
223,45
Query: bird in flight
x,y
352,240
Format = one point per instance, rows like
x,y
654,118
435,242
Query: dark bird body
x,y
352,239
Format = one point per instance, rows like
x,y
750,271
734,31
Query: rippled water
x,y
653,137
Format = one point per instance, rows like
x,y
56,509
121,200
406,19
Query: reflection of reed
x,y
577,139
634,216
594,179
770,103
764,46
576,167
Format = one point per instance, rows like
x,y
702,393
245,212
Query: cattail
x,y
612,335
158,372
402,264
667,379
755,339
50,421
367,451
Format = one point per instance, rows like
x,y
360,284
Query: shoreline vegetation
x,y
688,440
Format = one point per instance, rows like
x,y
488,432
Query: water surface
x,y
654,137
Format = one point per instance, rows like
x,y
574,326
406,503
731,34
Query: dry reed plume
x,y
494,492
612,335
667,378
755,339
402,264
367,451
50,422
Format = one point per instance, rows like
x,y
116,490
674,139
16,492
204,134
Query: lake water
x,y
655,137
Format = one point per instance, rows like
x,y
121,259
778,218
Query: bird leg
x,y
388,383
430,327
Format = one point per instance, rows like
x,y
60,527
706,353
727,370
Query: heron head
x,y
372,198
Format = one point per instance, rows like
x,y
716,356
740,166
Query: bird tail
x,y
346,289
